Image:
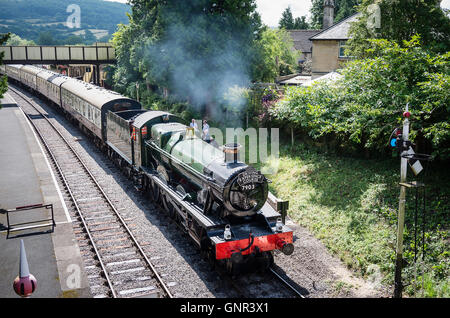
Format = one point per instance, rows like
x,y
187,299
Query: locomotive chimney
x,y
231,151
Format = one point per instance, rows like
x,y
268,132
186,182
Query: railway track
x,y
286,283
262,285
115,263
118,265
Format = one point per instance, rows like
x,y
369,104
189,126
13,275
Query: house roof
x,y
331,77
338,31
301,39
297,80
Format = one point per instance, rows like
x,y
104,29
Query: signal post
x,y
401,206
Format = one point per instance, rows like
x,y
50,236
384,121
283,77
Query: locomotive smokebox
x,y
231,151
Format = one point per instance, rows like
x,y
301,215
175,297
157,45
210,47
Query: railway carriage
x,y
89,104
49,83
28,75
13,71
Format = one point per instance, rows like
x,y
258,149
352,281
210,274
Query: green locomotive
x,y
220,201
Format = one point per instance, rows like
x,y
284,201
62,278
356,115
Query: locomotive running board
x,y
120,153
189,207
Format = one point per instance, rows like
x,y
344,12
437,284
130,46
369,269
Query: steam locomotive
x,y
220,202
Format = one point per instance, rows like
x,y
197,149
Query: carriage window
x,y
99,118
95,116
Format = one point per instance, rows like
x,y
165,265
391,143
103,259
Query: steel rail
x,y
138,246
66,184
285,282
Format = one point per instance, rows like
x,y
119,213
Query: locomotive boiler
x,y
213,176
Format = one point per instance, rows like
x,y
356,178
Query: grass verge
x,y
351,206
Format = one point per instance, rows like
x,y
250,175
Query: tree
x,y
345,9
342,9
363,107
3,79
399,21
301,24
194,49
277,55
14,39
46,38
287,20
72,40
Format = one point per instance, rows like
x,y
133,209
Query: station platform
x,y
26,179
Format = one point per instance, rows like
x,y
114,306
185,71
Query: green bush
x,y
366,104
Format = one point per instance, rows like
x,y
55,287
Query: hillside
x,y
44,21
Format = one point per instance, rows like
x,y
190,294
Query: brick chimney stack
x,y
328,13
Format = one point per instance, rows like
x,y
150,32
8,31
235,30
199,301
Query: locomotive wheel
x,y
208,252
153,191
153,188
166,204
265,260
128,171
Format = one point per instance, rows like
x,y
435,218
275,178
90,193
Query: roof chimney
x,y
328,13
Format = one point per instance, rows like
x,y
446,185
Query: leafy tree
x,y
399,21
301,24
14,39
345,8
287,20
363,107
72,40
342,9
46,38
196,50
277,55
3,79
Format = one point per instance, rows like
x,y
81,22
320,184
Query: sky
x,y
271,10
